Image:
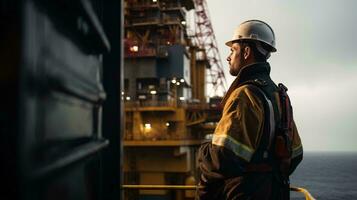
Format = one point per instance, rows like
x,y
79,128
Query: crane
x,y
205,39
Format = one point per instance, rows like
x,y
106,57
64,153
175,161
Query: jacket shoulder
x,y
257,82
248,87
245,94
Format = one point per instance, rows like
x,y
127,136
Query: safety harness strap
x,y
269,120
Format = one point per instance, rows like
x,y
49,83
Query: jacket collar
x,y
247,73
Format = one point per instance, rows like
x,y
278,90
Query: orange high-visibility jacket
x,y
237,140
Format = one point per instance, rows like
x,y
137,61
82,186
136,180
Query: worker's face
x,y
235,59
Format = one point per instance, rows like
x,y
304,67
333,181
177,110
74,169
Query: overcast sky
x,y
316,59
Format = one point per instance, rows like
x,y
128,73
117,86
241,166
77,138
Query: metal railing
x,y
306,193
161,187
171,103
150,103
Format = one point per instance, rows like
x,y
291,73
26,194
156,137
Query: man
x,y
255,146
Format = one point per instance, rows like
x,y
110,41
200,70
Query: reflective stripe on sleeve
x,y
236,147
297,151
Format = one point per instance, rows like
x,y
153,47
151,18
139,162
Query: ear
x,y
247,52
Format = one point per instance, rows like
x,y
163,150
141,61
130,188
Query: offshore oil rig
x,y
169,60
67,88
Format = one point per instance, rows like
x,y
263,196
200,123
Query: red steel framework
x,y
206,40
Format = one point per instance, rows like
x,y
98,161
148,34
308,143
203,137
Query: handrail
x,y
306,193
161,187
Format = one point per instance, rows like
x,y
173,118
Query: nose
x,y
228,58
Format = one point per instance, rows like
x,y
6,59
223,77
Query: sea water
x,y
327,175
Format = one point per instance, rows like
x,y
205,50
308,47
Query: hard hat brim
x,y
230,43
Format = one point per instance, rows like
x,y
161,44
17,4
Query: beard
x,y
232,71
235,67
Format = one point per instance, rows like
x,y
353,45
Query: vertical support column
x,y
193,72
137,124
198,76
113,115
201,80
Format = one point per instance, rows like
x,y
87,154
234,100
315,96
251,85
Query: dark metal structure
x,y
60,99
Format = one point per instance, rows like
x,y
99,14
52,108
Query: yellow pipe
x,y
307,194
161,187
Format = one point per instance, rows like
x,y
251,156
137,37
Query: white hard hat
x,y
255,30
